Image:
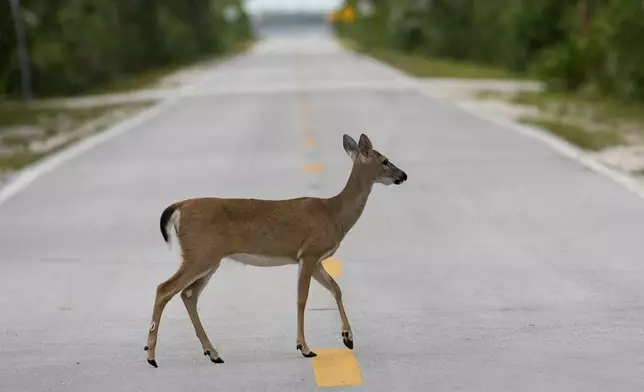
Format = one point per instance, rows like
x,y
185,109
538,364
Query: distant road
x,y
499,266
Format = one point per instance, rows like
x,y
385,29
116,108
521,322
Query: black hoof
x,y
145,348
311,354
153,363
348,342
215,360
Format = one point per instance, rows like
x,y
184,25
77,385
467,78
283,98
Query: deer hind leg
x,y
306,267
327,281
185,275
190,297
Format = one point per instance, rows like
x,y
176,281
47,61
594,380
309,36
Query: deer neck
x,y
350,202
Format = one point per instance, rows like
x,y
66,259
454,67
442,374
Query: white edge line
x,y
560,145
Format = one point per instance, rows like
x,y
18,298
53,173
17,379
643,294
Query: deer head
x,y
371,163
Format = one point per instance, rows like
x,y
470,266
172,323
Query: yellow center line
x,y
312,168
334,367
305,127
333,267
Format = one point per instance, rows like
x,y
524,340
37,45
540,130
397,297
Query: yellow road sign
x,y
348,14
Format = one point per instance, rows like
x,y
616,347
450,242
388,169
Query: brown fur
x,y
303,230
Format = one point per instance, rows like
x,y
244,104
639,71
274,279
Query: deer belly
x,y
260,260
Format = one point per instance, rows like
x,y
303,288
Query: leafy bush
x,y
77,45
570,44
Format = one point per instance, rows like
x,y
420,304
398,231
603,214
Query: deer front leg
x,y
306,269
327,281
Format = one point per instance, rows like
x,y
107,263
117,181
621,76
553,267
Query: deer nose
x,y
404,176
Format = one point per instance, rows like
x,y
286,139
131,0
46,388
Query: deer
x,y
301,231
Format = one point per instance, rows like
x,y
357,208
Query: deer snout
x,y
401,178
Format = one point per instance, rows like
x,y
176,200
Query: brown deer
x,y
268,233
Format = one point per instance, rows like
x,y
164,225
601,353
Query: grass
x,y
425,67
583,137
49,122
601,109
48,119
489,94
422,66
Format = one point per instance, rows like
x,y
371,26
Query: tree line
x,y
572,45
77,45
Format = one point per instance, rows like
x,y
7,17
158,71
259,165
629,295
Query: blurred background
x,y
584,57
571,44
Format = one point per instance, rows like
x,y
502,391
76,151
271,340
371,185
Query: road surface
x,y
499,266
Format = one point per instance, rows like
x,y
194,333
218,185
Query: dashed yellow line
x,y
335,367
312,168
309,142
333,267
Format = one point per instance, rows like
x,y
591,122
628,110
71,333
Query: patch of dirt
x,y
629,159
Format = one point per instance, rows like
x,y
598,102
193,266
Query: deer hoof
x,y
311,354
348,342
153,363
215,360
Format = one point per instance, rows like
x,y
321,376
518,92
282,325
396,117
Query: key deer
x,y
303,231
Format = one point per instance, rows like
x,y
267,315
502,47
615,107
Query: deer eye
x,y
385,162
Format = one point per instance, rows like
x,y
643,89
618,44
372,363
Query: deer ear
x,y
364,145
350,146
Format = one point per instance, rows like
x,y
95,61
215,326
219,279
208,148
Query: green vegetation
x,y
78,47
581,136
594,46
423,66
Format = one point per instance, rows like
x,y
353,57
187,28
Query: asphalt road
x,y
499,266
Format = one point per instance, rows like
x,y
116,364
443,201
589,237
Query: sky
x,y
323,5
